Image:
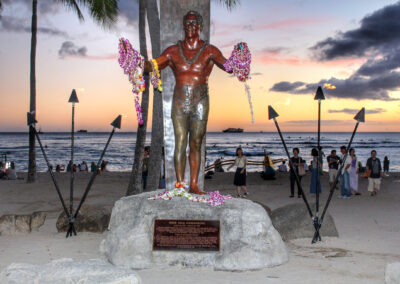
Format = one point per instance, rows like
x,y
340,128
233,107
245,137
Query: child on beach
x,y
240,174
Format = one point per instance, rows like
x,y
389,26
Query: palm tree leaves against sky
x,y
103,12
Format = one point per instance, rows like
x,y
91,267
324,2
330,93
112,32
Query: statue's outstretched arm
x,y
218,58
162,61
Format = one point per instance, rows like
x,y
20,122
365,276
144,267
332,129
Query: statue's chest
x,y
191,60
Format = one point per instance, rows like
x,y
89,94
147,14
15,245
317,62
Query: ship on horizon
x,y
233,130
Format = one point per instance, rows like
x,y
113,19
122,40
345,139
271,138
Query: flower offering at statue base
x,y
181,190
239,64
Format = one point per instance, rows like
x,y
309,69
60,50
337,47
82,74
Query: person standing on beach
x,y
374,168
240,174
295,161
344,175
333,164
145,167
353,173
386,163
315,166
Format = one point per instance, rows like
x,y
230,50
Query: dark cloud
x,y
129,11
378,32
388,63
354,87
377,39
286,86
355,111
68,48
10,24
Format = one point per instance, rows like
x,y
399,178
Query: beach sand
x,y
369,230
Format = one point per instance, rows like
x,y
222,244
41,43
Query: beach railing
x,y
249,162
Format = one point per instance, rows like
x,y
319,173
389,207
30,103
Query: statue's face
x,y
192,28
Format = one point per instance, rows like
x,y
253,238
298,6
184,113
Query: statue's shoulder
x,y
171,49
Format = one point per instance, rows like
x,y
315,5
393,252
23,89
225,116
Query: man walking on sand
x,y
333,163
374,169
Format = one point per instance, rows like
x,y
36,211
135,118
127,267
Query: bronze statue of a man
x,y
191,61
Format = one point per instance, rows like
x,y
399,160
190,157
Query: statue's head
x,y
192,24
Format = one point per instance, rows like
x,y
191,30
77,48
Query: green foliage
x,y
104,12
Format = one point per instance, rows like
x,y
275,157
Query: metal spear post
x,y
31,123
272,114
319,95
116,124
360,117
72,99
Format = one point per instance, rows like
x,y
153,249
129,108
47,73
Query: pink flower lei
x,y
239,63
132,62
181,189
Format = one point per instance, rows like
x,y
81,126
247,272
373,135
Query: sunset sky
x,y
296,45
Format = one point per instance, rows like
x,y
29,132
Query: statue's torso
x,y
191,67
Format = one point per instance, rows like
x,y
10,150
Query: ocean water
x,y
120,153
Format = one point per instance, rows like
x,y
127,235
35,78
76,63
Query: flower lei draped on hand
x,y
155,76
212,198
132,62
239,64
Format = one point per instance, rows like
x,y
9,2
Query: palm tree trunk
x,y
157,128
135,181
32,107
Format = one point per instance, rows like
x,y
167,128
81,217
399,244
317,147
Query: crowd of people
x,y
343,169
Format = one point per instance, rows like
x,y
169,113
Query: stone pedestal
x,y
248,241
66,270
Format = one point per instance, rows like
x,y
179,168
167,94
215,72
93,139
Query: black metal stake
x,y
31,122
272,115
360,117
116,124
73,99
318,96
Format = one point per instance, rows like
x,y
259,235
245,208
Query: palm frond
x,y
230,4
104,12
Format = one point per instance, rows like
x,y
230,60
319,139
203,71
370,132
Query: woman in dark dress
x,y
240,174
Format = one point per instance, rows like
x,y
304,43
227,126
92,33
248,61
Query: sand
x,y
369,230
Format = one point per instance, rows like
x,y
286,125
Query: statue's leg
x,y
197,130
180,120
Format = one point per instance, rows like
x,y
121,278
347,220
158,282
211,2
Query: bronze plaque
x,y
194,235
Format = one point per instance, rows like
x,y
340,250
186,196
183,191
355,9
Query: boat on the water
x,y
82,131
233,130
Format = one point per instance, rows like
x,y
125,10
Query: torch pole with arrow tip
x,y
272,114
360,117
72,99
116,124
31,123
318,96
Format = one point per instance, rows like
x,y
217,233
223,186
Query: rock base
x,y
392,273
248,241
21,224
66,270
293,222
91,218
